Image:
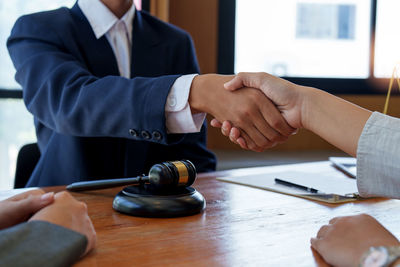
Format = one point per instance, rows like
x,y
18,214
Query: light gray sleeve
x,y
40,243
378,157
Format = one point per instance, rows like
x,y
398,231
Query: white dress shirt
x,y
179,118
378,157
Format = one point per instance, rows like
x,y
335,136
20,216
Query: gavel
x,y
169,174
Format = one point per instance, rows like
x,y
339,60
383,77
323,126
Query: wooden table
x,y
241,226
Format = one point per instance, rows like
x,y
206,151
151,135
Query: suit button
x,y
157,135
133,132
146,135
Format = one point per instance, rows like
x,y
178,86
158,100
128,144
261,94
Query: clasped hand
x,y
260,121
280,103
61,209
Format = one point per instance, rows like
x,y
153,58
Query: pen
x,y
302,187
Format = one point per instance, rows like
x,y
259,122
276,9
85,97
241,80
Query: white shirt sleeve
x,y
179,117
378,157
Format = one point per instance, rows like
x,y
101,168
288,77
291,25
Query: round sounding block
x,y
145,201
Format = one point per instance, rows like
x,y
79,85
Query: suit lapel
x,y
97,53
147,50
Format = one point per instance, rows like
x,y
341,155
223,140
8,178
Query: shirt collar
x,y
101,19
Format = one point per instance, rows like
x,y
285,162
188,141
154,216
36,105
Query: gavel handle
x,y
106,183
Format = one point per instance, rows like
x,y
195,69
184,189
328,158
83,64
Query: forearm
x,y
336,120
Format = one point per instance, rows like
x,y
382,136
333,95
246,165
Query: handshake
x,y
256,110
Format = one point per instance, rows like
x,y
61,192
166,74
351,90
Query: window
x,y
342,46
387,42
16,128
10,11
311,39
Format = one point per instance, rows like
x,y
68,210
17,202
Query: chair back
x,y
28,156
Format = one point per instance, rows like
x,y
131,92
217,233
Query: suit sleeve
x,y
62,94
40,243
378,161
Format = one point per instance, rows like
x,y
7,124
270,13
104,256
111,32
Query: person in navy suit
x,y
114,90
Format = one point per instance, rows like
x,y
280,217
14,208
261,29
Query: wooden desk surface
x,y
241,226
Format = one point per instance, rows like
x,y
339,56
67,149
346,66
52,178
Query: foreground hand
x,y
19,208
261,124
344,240
66,211
286,96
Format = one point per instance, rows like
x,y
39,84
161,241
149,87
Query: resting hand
x,y
286,96
19,208
66,211
260,122
345,239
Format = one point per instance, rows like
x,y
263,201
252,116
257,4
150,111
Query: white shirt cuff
x,y
179,117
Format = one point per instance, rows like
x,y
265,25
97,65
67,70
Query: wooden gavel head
x,y
180,173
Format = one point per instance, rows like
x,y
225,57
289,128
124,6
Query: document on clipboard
x,y
332,186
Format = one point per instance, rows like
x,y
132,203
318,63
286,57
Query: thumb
x,y
34,203
234,84
247,79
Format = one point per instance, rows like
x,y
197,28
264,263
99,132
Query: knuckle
x,y
277,124
344,220
241,120
264,143
63,194
275,137
82,206
247,111
364,216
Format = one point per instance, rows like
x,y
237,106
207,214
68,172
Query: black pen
x,y
302,187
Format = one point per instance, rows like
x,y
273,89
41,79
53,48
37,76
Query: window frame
x,y
226,56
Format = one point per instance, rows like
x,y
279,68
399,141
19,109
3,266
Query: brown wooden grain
x,y
241,226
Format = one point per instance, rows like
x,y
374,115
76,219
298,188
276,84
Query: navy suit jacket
x,y
90,122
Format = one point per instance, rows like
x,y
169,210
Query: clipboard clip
x,y
352,195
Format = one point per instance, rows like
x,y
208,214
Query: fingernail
x,y
47,197
295,132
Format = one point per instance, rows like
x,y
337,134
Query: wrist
x,y
197,94
306,101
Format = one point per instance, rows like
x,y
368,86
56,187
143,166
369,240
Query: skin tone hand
x,y
287,101
345,239
19,208
66,211
307,107
261,124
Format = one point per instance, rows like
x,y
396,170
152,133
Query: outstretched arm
x,y
334,119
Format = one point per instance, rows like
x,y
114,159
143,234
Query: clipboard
x,y
337,187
